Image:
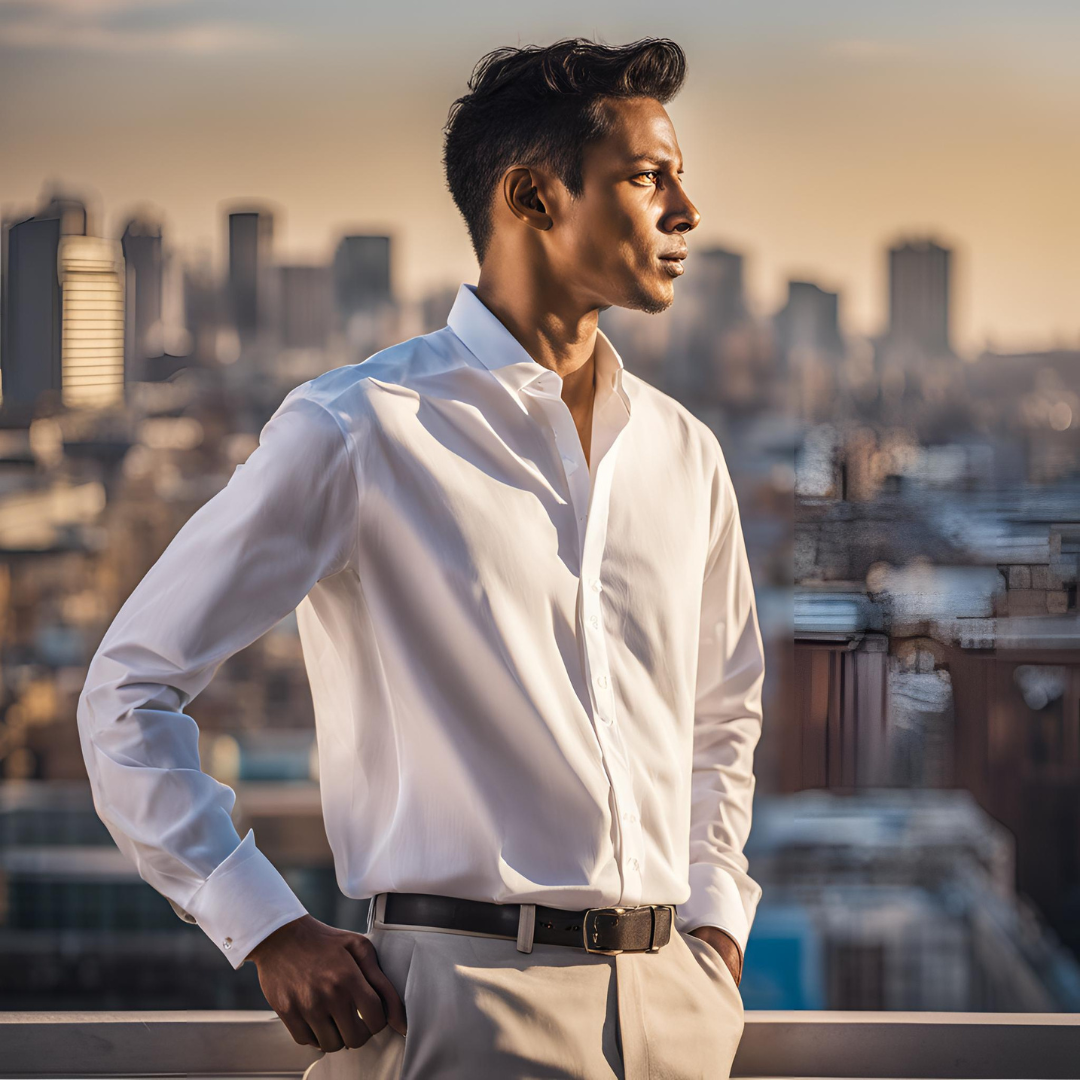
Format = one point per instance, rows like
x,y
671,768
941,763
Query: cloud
x,y
97,26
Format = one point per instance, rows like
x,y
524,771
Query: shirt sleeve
x,y
242,562
727,726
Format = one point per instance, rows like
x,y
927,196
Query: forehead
x,y
639,128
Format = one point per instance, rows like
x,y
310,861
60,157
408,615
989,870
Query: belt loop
x,y
376,912
526,927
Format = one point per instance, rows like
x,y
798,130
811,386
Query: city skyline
x,y
811,144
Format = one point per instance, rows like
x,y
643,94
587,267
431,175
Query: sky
x,y
813,134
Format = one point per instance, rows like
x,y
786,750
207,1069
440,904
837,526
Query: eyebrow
x,y
660,159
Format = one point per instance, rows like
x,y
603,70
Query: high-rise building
x,y
809,320
92,336
141,243
31,313
251,235
710,304
305,306
919,295
361,273
30,308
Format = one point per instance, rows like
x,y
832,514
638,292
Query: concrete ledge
x,y
927,1046
210,1045
143,1044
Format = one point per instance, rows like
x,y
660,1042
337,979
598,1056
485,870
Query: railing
x,y
774,1044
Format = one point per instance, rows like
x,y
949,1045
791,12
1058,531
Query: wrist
x,y
275,939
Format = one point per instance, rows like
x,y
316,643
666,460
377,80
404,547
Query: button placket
x,y
630,850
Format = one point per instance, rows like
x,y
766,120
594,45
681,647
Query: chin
x,y
651,301
649,296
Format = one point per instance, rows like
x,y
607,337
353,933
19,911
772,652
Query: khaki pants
x,y
478,1009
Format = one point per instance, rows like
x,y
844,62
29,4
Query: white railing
x,y
774,1044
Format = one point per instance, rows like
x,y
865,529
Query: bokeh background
x,y
205,204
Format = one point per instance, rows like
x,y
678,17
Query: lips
x,y
674,262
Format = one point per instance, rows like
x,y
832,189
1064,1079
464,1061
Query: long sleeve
x,y
727,726
242,562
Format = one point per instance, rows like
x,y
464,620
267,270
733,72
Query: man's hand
x,y
724,945
317,978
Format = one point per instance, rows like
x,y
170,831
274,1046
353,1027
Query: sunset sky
x,y
813,134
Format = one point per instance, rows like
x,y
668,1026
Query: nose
x,y
685,217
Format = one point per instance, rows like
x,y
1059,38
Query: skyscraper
x,y
361,273
141,244
809,320
710,305
919,296
31,312
251,235
30,309
305,306
92,346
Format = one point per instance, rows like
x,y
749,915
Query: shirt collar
x,y
488,339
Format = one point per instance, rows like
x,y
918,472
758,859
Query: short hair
x,y
541,106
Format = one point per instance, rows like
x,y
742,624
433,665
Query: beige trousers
x,y
478,1009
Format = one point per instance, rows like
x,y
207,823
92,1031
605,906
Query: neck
x,y
554,330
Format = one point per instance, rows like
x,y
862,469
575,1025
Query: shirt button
x,y
596,586
634,864
227,943
594,620
601,681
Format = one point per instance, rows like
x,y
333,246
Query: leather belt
x,y
608,930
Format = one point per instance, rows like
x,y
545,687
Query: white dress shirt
x,y
535,679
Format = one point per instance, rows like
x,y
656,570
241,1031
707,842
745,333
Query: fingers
x,y
326,1032
391,1009
352,1027
298,1028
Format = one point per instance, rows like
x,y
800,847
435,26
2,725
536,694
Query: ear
x,y
521,193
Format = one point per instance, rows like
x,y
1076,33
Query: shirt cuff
x,y
714,901
242,902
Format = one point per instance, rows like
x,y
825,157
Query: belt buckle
x,y
585,928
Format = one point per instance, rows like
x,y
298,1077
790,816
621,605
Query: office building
x,y
361,273
92,331
141,243
251,235
919,283
30,309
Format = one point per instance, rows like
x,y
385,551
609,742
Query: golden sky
x,y
812,135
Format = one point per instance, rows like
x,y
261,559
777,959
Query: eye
x,y
651,172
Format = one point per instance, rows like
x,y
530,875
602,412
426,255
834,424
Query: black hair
x,y
541,106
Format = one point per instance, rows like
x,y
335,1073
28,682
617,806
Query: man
x,y
529,627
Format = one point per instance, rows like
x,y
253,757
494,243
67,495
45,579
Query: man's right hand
x,y
317,978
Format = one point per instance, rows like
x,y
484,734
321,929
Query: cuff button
x,y
227,943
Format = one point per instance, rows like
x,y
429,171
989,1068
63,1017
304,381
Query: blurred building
x,y
361,274
709,362
79,929
919,295
809,320
936,638
895,900
141,243
251,235
305,306
31,318
809,347
92,278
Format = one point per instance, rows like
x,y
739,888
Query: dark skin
x,y
552,265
